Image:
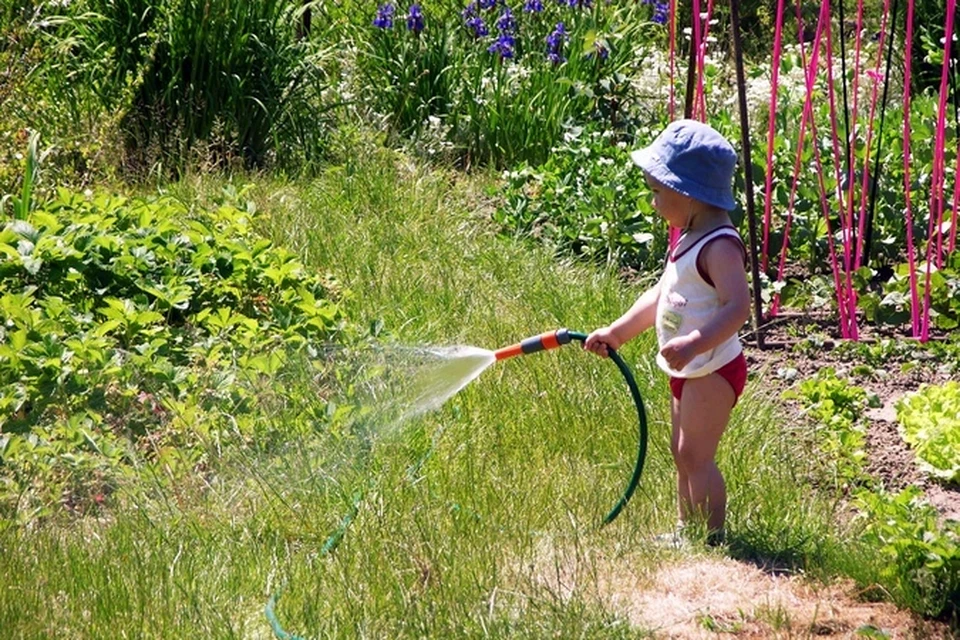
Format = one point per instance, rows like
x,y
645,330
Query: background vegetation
x,y
225,223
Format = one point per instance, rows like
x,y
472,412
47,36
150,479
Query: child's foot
x,y
716,538
672,540
681,538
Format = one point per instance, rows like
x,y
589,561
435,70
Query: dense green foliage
x,y
139,330
587,199
179,423
918,556
176,83
485,78
915,556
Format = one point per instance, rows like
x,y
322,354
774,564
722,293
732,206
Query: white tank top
x,y
688,302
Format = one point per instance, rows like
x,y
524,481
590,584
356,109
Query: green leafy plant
x,y
140,330
943,356
891,304
836,406
588,199
920,565
929,422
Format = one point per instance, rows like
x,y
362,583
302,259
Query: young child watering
x,y
699,304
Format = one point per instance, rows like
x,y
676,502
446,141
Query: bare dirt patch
x,y
695,595
721,597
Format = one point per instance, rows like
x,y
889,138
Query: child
x,y
698,306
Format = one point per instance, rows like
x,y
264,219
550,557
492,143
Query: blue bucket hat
x,y
694,159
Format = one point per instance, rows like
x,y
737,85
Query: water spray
x,y
465,364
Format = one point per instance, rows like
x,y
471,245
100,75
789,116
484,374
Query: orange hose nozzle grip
x,y
548,340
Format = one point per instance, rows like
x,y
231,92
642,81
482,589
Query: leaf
x,y
148,317
106,327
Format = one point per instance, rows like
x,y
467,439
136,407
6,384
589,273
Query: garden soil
x,y
888,459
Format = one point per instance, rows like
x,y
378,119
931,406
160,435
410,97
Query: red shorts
x,y
734,372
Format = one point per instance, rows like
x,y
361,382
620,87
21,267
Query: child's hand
x,y
600,340
679,351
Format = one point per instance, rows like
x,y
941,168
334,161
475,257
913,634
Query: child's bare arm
x,y
637,319
723,262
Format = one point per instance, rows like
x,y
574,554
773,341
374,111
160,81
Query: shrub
x,y
587,199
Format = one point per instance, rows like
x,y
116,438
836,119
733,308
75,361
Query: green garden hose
x,y
560,337
328,546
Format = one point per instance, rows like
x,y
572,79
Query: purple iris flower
x,y
507,26
488,4
503,45
533,6
473,21
661,11
506,23
415,18
555,44
476,25
384,17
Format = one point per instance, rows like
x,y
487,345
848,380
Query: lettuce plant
x,y
930,423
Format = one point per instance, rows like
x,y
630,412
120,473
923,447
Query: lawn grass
x,y
478,519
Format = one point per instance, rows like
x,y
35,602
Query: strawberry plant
x,y
836,406
138,331
920,564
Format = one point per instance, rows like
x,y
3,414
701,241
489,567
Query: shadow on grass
x,y
772,559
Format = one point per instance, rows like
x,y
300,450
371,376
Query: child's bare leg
x,y
701,418
683,483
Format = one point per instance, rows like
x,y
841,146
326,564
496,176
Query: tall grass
x,y
478,519
225,81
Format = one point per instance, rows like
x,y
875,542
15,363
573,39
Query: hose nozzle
x,y
548,340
